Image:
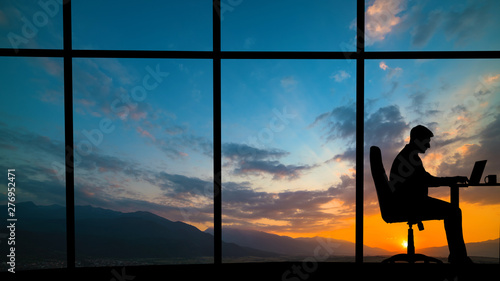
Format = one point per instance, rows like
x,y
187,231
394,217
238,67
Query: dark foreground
x,y
285,271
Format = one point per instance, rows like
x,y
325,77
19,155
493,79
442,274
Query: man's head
x,y
421,137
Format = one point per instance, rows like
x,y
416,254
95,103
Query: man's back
x,y
408,175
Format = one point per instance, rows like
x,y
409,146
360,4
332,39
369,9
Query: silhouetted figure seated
x,y
410,182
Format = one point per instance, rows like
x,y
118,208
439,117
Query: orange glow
x,y
404,244
492,79
479,224
464,149
432,161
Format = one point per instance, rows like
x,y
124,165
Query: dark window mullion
x,y
68,128
360,76
217,152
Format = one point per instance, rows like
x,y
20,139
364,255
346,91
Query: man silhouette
x,y
410,182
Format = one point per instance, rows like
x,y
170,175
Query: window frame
x,y
216,55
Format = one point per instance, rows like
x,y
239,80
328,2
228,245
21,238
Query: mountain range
x,y
107,234
288,246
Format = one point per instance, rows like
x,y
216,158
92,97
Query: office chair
x,y
389,212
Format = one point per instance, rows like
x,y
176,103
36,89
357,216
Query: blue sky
x,y
143,127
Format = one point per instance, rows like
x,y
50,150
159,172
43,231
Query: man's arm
x,y
446,181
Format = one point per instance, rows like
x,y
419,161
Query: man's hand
x,y
459,179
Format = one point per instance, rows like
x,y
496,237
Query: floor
x,y
284,271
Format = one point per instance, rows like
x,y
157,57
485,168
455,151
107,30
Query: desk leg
x,y
454,197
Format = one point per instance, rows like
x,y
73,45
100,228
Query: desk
x,y
454,191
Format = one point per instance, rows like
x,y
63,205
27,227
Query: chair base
x,y
411,258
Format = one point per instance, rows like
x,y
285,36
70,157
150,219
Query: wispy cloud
x,y
381,17
385,127
297,211
288,83
247,160
461,24
339,123
340,76
391,72
491,79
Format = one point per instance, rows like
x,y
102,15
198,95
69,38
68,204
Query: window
x,y
286,173
31,25
296,25
32,148
171,117
143,161
431,25
458,101
129,25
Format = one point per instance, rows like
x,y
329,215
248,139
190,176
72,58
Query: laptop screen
x,y
477,172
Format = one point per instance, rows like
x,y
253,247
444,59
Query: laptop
x,y
477,172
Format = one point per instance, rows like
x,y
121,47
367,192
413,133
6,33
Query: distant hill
x,y
103,233
285,245
489,248
108,234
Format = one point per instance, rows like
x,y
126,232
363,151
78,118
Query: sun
x,y
405,244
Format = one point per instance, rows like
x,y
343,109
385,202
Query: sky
x,y
143,128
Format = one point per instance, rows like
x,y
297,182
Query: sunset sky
x,y
143,128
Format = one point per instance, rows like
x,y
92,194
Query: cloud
x,y
381,17
490,79
175,129
175,146
297,211
174,185
201,212
33,155
102,89
340,76
185,198
424,30
386,125
339,123
391,72
383,65
247,160
99,162
288,83
53,66
278,170
145,133
461,24
26,141
469,23
235,151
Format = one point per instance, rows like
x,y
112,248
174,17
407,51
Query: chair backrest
x,y
384,192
